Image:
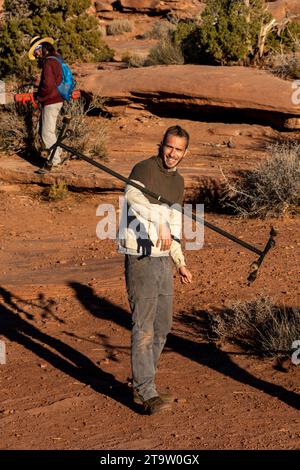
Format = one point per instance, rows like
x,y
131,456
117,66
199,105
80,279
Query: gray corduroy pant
x,y
149,282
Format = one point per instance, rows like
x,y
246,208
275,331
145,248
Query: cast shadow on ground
x,y
33,157
65,358
203,353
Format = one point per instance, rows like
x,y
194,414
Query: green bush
x,y
77,33
285,40
225,35
183,30
24,8
186,36
234,32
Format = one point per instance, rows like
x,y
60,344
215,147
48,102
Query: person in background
x,y
42,50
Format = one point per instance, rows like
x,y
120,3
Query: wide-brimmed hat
x,y
36,41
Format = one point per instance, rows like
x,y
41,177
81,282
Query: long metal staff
x,y
262,253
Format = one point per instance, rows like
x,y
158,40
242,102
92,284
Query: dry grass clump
x,y
286,66
272,189
132,59
81,133
119,26
98,150
102,29
18,130
159,30
259,326
165,52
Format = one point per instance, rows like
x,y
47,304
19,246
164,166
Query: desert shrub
x,y
132,59
14,45
286,39
159,30
165,52
185,37
228,32
82,133
272,189
56,191
285,45
285,66
234,32
18,130
98,150
119,27
77,33
258,326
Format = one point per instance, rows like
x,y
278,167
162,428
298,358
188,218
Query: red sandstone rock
x,y
196,88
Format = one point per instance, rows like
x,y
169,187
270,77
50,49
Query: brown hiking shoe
x,y
155,405
166,397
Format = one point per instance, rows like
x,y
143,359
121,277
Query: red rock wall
x,y
279,8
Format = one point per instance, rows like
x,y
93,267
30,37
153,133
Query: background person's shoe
x,y
45,169
166,397
155,405
48,167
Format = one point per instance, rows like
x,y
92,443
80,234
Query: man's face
x,y
173,151
38,52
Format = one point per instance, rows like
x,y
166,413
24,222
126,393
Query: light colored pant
x,y
47,128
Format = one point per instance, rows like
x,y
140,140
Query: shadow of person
x,y
100,307
206,354
210,356
65,358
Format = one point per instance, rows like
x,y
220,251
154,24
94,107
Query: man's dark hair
x,y
178,132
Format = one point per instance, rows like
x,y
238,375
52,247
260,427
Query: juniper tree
x,y
232,32
77,33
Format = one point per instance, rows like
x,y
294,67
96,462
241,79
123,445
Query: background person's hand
x,y
164,237
185,275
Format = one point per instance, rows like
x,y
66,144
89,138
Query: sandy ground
x,y
65,317
66,326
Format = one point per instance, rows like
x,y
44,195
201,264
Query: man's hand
x,y
185,275
164,237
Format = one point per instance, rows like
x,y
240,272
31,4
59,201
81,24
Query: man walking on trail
x,y
149,237
42,50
